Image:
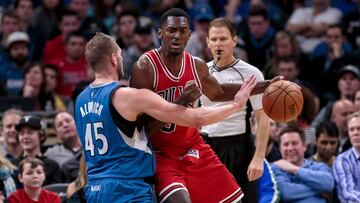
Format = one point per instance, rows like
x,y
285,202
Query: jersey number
x,y
89,144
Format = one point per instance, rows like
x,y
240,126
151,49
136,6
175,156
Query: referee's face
x,y
220,42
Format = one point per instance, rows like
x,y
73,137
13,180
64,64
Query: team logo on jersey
x,y
191,153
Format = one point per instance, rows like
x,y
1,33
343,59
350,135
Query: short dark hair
x,y
51,67
290,129
76,33
343,33
287,59
9,14
130,11
223,22
174,12
17,2
67,12
258,10
327,127
34,162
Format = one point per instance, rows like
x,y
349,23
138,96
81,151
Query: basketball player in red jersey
x,y
187,169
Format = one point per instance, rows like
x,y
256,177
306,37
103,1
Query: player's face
x,y
326,146
32,177
220,41
174,34
354,132
292,148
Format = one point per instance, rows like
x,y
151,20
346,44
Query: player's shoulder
x,y
142,63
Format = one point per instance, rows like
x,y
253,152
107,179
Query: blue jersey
x,y
113,146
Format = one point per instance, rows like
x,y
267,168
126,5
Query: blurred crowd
x,y
314,43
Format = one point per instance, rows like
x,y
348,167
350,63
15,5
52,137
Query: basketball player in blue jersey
x,y
118,155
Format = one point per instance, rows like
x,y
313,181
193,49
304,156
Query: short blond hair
x,y
98,48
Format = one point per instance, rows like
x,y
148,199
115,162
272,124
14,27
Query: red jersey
x,y
170,87
70,74
45,197
54,49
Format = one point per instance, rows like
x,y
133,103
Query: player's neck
x,y
172,62
224,61
104,78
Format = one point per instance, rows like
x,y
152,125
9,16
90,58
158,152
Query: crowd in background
x,y
314,43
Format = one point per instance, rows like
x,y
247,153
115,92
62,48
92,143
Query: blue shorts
x,y
119,190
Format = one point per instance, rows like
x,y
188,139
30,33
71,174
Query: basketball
x,y
282,101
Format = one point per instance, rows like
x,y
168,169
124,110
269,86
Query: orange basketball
x,y
282,101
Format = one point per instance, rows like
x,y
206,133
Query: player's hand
x,y
243,94
191,93
255,169
277,78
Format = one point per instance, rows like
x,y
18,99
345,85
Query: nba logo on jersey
x,y
190,153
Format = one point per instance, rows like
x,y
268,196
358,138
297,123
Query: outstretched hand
x,y
243,94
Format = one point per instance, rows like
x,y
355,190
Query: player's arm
x,y
221,92
256,166
130,103
142,76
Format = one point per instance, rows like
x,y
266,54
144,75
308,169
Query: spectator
x,y
340,111
10,23
34,85
347,165
284,45
336,112
327,59
197,45
143,42
351,25
24,9
299,179
69,144
51,79
105,11
310,23
6,171
12,148
31,136
348,82
89,25
47,16
287,67
126,23
55,48
12,72
72,67
327,142
259,38
32,175
357,100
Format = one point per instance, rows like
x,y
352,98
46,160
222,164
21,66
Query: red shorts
x,y
200,173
